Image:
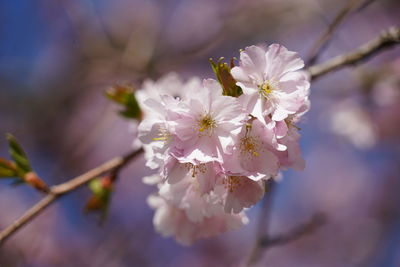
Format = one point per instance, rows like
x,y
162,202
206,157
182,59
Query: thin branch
x,y
324,39
386,39
316,221
113,165
27,216
266,241
263,221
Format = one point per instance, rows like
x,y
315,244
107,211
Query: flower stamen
x,y
206,124
163,135
248,145
266,88
232,183
195,169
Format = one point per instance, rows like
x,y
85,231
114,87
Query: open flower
x,y
253,153
271,82
160,102
208,124
170,220
238,192
156,130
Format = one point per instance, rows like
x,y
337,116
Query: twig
x,y
115,164
385,40
263,221
324,39
265,241
315,222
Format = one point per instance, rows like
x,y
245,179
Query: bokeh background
x,y
58,57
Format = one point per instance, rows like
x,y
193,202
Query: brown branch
x,y
316,221
386,39
263,221
113,165
324,39
266,241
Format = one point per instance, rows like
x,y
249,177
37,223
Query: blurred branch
x,y
317,220
266,241
263,221
113,166
386,39
326,37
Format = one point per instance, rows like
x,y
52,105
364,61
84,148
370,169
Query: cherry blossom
x,y
169,220
213,152
271,81
208,125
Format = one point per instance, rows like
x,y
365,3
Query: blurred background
x,y
58,57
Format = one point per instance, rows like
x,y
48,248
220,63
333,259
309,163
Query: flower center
x,y
206,124
195,169
266,88
231,183
248,145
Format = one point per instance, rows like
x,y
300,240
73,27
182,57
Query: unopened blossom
x,y
169,220
271,81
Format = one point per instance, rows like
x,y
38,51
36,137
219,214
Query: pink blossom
x,y
159,102
208,124
156,130
271,82
193,190
214,152
170,220
253,153
239,192
169,84
291,157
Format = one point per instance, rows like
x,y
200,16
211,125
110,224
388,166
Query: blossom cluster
x,y
212,151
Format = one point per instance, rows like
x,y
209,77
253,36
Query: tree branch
x,y
316,221
113,165
263,221
266,241
324,39
385,40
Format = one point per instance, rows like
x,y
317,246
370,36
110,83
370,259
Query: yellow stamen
x,y
163,135
232,183
206,124
195,169
266,88
248,145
